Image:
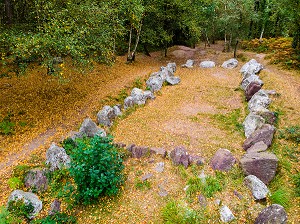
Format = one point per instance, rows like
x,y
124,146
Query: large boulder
x,y
28,198
265,134
189,64
262,165
252,123
171,67
90,129
155,82
251,89
57,158
36,180
231,63
207,64
251,68
106,115
138,97
179,155
258,188
259,101
223,160
252,78
274,214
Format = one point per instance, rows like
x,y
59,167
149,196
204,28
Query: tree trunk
x,y
136,42
207,40
225,42
129,45
235,48
9,13
146,50
262,33
230,42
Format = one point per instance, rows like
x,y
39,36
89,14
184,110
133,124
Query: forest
x,y
93,30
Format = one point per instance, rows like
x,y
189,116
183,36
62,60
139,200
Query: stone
x,y
252,78
274,214
159,151
128,102
251,89
189,64
162,191
263,165
172,80
138,96
197,160
271,92
117,110
223,160
217,202
171,67
36,180
27,198
269,116
140,151
202,200
160,167
207,64
226,214
57,157
258,188
148,95
202,177
259,101
258,147
90,129
55,207
105,116
265,133
155,83
231,63
179,155
146,177
251,68
252,123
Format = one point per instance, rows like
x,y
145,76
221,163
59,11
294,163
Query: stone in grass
x,y
274,214
36,180
105,116
172,80
146,177
231,63
189,64
128,102
269,116
223,160
155,82
258,147
90,129
162,191
159,151
202,200
259,101
263,165
29,199
179,155
57,157
251,89
226,214
252,123
139,151
117,110
207,64
250,79
258,188
197,160
55,207
251,68
160,167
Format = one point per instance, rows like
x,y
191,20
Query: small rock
x,y
258,188
155,83
265,134
106,115
172,80
217,202
251,89
27,198
258,147
171,67
263,165
223,160
252,123
186,187
140,151
36,180
202,200
146,177
207,64
159,151
195,159
55,207
259,101
162,192
138,96
160,167
252,78
274,214
226,214
271,92
180,156
236,193
117,110
90,129
202,177
189,64
57,157
231,63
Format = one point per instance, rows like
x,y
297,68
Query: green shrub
x,y
20,171
7,218
7,126
61,218
96,166
20,209
176,213
15,183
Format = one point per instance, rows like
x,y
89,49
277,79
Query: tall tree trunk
x,y
146,50
8,10
136,42
235,48
229,44
262,33
129,44
225,42
207,40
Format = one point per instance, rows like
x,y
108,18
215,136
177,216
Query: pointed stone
x,y
223,160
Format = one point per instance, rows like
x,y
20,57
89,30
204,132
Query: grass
x,y
296,181
7,127
291,133
142,185
281,196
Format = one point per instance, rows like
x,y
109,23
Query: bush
x,y
7,126
96,166
20,209
60,218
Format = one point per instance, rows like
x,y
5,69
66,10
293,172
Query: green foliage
x,y
7,126
15,183
68,144
230,121
20,209
296,180
142,185
138,83
20,171
61,218
176,213
207,187
281,197
291,134
8,218
58,179
96,166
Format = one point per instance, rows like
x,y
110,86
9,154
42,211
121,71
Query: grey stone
x,y
155,83
251,68
117,110
36,180
179,155
148,95
270,117
171,67
265,134
146,177
202,200
189,64
90,129
223,160
251,89
258,147
140,151
55,207
197,160
259,101
263,165
252,78
27,198
106,115
271,92
207,64
162,191
274,214
172,80
160,167
57,157
202,177
128,102
258,188
138,96
231,63
252,123
226,214
159,151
